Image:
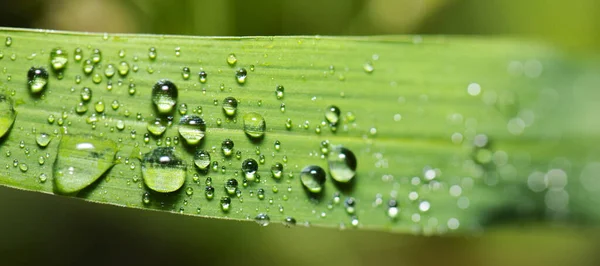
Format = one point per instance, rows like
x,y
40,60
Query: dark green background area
x,y
38,229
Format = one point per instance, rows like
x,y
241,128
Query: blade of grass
x,y
414,123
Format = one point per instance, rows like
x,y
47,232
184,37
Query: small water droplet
x,y
162,170
202,159
192,128
227,147
249,168
254,125
202,76
96,56
277,170
230,106
240,75
225,203
43,139
279,90
146,198
231,59
78,54
157,127
37,78
58,59
185,73
289,221
313,178
164,96
332,115
152,53
8,41
231,186
368,67
43,177
262,219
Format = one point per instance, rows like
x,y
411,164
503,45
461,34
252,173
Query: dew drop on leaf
x,y
342,164
313,178
192,128
163,171
81,160
37,79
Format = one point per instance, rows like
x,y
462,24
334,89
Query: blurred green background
x,y
36,229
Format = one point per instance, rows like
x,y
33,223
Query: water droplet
x,y
192,128
262,219
43,139
203,76
289,221
393,209
288,124
277,145
86,94
99,107
313,178
260,193
202,159
58,59
277,170
96,56
157,127
249,168
185,73
164,96
350,204
209,192
162,170
240,75
225,203
368,67
78,54
424,206
146,198
152,53
23,167
7,114
342,164
189,191
81,160
123,68
37,78
230,106
43,177
231,59
279,92
8,41
97,78
227,147
231,186
332,115
254,125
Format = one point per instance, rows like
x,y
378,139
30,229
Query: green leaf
x,y
456,133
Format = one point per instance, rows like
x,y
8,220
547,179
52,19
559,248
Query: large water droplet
x,y
58,59
230,106
249,168
7,114
254,125
313,178
202,159
192,128
164,96
37,78
123,68
162,170
81,160
342,164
